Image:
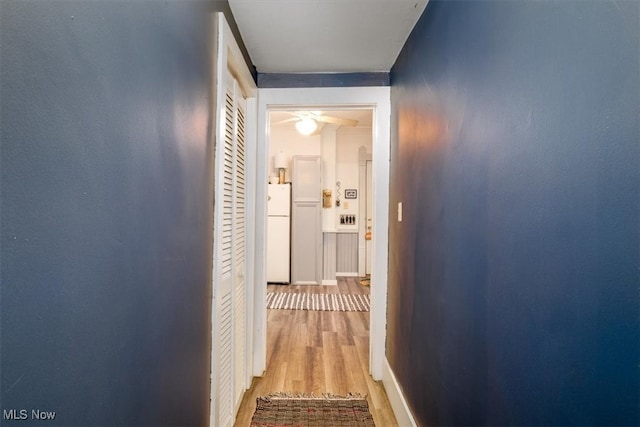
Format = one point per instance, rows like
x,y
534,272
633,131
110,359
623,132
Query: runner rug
x,y
282,410
320,302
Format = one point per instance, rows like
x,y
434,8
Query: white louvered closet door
x,y
239,254
229,285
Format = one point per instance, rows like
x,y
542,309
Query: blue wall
x,y
514,277
106,211
298,80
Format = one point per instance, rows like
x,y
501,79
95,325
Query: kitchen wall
x,y
106,211
289,141
348,142
513,277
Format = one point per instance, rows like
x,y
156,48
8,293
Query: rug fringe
x,y
312,396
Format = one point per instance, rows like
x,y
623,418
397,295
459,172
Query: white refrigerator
x,y
279,233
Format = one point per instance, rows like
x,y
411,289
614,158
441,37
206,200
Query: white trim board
x,y
378,100
347,274
396,398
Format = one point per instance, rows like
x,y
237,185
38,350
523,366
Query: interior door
x,y
229,363
224,236
233,150
239,251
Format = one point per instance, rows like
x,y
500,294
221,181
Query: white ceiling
x,y
314,36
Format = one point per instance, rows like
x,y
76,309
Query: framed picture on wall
x,y
351,194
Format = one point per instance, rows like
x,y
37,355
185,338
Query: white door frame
x,y
377,99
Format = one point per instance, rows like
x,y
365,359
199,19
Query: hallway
x,y
318,352
506,151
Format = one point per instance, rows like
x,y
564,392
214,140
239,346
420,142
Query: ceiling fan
x,y
306,122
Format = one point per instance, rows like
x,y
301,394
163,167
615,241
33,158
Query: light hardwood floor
x,y
318,352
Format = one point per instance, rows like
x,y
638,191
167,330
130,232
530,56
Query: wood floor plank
x,y
333,363
318,352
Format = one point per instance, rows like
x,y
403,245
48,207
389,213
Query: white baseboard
x,y
396,398
330,282
348,274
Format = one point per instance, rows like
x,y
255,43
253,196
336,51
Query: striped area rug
x,y
320,302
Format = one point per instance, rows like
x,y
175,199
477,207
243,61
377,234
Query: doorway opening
x,y
316,202
312,344
318,351
377,100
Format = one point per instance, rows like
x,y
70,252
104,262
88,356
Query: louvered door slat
x,y
225,344
227,186
239,255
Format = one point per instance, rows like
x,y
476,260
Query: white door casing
x,y
377,99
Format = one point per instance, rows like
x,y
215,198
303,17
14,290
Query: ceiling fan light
x,y
306,126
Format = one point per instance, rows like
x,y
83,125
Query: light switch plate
x,y
399,211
